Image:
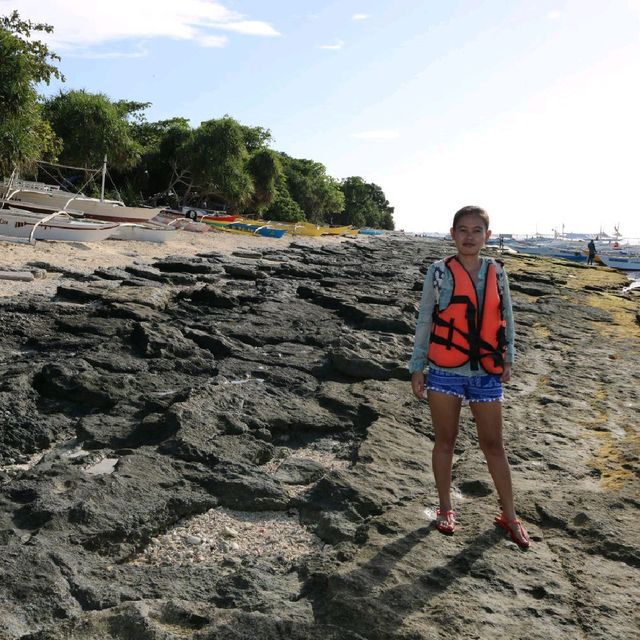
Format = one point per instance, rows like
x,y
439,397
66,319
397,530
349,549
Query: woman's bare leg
x,y
488,416
445,416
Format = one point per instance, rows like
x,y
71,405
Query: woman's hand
x,y
417,384
506,374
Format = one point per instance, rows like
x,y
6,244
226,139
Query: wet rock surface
x,y
139,405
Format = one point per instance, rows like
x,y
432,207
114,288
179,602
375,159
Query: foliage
x,y
283,208
24,136
317,193
255,137
160,177
365,205
265,169
131,110
92,126
216,155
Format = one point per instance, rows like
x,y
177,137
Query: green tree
x,y
24,136
265,169
365,205
283,208
217,157
161,176
91,126
316,192
255,137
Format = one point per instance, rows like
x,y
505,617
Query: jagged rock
x,y
133,408
182,264
246,488
146,273
243,272
299,471
211,296
81,386
111,273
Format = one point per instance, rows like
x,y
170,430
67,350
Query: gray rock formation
x,y
275,381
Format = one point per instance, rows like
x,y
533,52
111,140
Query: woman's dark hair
x,y
471,210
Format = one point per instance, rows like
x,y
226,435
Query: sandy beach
x,y
86,257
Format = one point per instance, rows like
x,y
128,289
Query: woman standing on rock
x,y
465,334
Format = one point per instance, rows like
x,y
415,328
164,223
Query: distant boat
x,y
622,262
146,232
209,218
551,249
44,199
195,213
298,228
245,227
340,230
41,198
371,232
24,226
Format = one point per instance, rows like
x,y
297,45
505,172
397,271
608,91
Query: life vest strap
x,y
474,351
449,344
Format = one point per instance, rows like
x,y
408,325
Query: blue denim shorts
x,y
485,388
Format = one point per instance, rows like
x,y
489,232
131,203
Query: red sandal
x,y
445,521
515,530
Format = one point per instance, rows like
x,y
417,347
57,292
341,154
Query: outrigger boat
x,y
250,228
624,263
146,232
45,199
297,228
209,219
17,225
311,229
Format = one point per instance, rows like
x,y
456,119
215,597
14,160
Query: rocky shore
x,y
225,446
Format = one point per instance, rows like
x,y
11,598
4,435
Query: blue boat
x,y
261,230
371,232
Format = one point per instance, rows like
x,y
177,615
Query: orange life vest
x,y
462,333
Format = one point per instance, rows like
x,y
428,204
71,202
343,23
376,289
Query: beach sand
x,y
87,257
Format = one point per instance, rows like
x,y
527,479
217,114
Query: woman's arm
x,y
507,309
419,358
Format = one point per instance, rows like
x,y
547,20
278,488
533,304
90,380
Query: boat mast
x,y
104,176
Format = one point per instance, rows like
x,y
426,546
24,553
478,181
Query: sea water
x,y
634,277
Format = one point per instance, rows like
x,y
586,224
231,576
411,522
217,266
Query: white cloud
x,y
333,47
554,15
79,25
377,134
213,41
360,16
139,52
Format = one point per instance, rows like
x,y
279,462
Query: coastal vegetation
x,y
220,164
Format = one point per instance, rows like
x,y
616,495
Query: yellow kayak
x,y
311,229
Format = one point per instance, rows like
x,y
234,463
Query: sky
x,y
529,109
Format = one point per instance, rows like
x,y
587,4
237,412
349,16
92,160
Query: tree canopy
x,y
317,193
216,155
24,136
365,204
91,126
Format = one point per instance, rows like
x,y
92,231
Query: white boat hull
x,y
624,263
20,225
145,232
55,200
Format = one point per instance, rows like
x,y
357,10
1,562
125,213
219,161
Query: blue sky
x,y
529,109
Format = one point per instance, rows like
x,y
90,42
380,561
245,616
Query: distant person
x,y
469,356
592,251
501,243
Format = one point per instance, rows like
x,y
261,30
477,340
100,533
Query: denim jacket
x,y
419,360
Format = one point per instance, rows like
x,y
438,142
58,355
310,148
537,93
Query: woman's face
x,y
470,234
